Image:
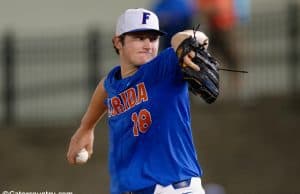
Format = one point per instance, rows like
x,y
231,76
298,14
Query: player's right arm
x,y
84,135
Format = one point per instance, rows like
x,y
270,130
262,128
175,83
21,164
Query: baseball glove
x,y
206,81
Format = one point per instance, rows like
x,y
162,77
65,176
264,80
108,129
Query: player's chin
x,y
143,60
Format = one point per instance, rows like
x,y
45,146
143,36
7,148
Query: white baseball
x,y
82,156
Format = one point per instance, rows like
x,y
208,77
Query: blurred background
x,y
53,53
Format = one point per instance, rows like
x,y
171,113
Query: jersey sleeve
x,y
164,66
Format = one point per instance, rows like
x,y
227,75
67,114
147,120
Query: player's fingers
x,y
71,158
188,61
89,148
71,154
192,54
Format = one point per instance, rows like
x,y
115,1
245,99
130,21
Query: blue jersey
x,y
150,126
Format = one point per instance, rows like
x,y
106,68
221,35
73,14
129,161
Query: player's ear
x,y
117,42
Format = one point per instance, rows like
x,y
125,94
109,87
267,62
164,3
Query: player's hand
x,y
83,138
187,61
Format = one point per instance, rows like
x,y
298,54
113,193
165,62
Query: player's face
x,y
139,47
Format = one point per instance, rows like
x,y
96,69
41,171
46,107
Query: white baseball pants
x,y
195,187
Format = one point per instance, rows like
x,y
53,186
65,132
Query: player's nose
x,y
147,43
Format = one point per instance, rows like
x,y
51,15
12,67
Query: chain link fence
x,y
49,79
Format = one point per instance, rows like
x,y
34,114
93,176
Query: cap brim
x,y
159,32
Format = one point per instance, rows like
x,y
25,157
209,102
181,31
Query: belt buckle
x,y
182,184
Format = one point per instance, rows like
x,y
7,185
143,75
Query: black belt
x,y
150,190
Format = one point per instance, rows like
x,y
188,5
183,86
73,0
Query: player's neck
x,y
128,70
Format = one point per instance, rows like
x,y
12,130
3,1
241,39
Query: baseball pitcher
x,y
146,100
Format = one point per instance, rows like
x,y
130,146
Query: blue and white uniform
x,y
150,126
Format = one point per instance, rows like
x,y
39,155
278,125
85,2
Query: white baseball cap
x,y
134,20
